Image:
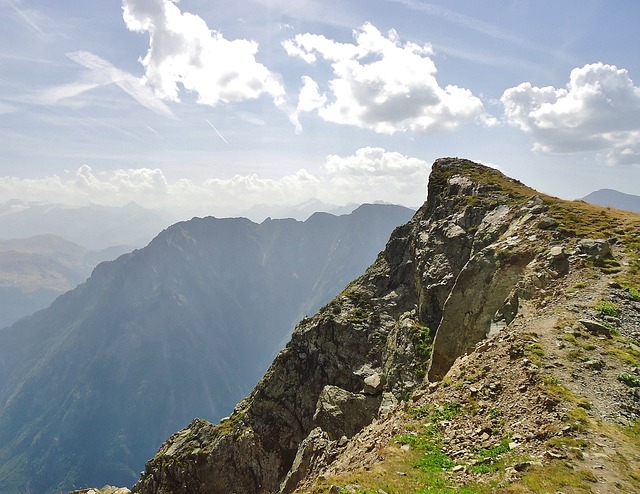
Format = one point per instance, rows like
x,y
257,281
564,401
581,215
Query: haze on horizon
x,y
202,110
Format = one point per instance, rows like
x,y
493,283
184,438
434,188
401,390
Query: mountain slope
x,y
34,271
184,327
615,199
469,342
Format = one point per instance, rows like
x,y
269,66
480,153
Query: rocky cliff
x,y
492,346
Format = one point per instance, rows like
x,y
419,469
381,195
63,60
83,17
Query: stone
x,y
342,413
522,466
594,364
373,384
547,223
595,327
595,248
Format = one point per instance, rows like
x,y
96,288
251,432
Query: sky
x,y
203,108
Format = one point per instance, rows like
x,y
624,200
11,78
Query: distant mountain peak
x,y
614,198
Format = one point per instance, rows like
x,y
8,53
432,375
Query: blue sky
x,y
206,107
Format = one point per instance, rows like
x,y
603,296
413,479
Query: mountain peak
x,y
456,331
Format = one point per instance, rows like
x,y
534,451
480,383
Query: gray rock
x,y
594,248
595,327
373,384
547,223
342,413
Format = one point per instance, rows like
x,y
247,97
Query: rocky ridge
x,y
492,345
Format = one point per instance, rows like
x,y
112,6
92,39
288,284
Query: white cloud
x,y
598,110
369,174
373,173
184,51
381,84
101,72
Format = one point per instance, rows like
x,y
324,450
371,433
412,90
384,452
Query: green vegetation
x,y
629,379
423,343
554,389
606,308
558,477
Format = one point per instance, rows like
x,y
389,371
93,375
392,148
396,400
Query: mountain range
x,y
34,271
182,328
615,199
92,227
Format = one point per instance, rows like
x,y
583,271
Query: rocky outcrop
x,y
450,276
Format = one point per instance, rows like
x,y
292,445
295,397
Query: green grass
x,y
606,308
629,379
487,459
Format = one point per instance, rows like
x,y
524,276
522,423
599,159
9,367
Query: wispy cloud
x,y
464,21
27,17
217,132
101,73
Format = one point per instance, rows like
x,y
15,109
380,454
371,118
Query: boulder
x,y
342,413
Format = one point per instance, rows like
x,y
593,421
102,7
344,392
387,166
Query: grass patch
x,y
578,418
558,477
626,350
629,379
606,308
487,459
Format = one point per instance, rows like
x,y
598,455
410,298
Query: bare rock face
x,y
450,276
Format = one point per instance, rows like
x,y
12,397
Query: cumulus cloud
x,y
598,110
373,173
381,84
369,174
184,51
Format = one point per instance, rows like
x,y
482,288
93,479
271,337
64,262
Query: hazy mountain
x,y
301,211
94,227
36,270
615,199
91,386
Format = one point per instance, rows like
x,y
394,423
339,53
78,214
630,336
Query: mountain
x,y
615,199
34,271
93,227
300,211
184,327
494,346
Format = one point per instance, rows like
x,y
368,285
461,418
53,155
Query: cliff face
x,y
480,259
470,263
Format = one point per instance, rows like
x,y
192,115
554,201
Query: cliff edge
x,y
494,340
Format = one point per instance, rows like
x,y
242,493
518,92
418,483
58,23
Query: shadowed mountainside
x,y
184,327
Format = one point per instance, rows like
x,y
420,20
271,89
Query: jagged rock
x,y
311,455
471,254
547,223
595,327
388,404
341,413
595,248
373,384
558,260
